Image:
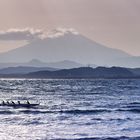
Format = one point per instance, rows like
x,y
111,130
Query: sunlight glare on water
x,y
70,109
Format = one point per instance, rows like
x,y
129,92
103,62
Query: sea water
x,y
71,109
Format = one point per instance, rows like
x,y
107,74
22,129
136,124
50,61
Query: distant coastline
x,y
80,73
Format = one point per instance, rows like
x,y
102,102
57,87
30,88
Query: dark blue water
x,y
71,109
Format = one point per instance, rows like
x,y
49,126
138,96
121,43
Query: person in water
x,y
12,102
19,102
3,102
28,102
8,102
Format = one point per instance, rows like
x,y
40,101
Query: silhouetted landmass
x,y
24,70
136,71
66,64
83,72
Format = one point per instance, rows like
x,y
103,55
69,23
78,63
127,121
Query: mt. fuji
x,y
69,46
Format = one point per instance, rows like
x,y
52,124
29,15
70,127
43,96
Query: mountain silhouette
x,y
24,70
70,47
85,72
66,64
75,73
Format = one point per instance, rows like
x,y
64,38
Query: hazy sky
x,y
114,23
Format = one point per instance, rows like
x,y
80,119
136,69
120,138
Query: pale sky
x,y
114,23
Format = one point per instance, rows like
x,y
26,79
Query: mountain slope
x,y
37,63
136,71
66,64
67,47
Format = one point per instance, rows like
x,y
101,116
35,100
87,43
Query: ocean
x,y
100,109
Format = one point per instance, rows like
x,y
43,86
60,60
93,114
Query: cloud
x,y
61,32
21,34
30,34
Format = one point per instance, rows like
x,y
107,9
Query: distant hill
x,y
82,72
24,70
85,72
70,47
136,71
66,64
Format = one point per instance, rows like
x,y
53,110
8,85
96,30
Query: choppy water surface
x,y
71,109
